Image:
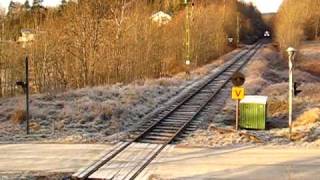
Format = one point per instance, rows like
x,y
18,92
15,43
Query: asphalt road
x,y
248,162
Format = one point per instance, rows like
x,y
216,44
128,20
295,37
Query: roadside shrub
x,y
308,117
18,117
101,42
297,21
35,126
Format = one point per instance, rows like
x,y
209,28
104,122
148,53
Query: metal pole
x,y
290,93
237,114
27,93
224,12
188,33
238,29
187,38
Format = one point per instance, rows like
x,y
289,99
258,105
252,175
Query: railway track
x,y
128,159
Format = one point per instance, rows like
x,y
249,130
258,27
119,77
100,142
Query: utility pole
x,y
187,37
291,52
224,17
238,29
224,12
317,6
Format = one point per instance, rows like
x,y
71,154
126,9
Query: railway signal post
x,y
291,53
238,93
25,87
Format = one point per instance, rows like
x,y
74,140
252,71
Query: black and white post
x,y
291,52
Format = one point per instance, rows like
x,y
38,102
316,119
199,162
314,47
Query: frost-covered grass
x,y
275,86
267,74
97,113
309,59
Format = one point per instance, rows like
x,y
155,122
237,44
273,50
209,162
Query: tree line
x,y
87,43
296,21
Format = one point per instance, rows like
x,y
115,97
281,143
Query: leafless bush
x,y
308,117
296,21
18,117
102,42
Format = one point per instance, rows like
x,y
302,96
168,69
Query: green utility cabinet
x,y
253,112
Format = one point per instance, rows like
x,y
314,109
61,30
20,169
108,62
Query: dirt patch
x,y
219,137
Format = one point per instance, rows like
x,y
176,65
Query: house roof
x,y
161,16
25,30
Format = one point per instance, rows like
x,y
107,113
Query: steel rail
x,y
255,49
195,92
98,164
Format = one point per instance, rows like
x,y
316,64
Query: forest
x,y
89,43
296,21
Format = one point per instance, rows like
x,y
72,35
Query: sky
x,y
265,6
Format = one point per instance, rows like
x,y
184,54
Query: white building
x,y
161,18
27,35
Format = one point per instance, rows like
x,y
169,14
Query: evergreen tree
x,y
12,6
64,2
37,3
26,4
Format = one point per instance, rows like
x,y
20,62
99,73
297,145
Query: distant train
x,y
267,34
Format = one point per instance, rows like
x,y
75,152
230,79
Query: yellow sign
x,y
238,93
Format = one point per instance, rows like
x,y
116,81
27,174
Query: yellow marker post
x,y
237,94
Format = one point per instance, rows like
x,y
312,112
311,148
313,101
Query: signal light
x,y
296,91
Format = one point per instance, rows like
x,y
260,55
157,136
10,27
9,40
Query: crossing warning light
x,y
296,91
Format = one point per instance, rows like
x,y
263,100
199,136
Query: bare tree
x,y
101,42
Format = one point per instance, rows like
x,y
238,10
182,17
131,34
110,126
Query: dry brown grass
x,y
310,93
277,107
18,117
155,177
250,137
276,89
293,20
311,66
309,58
308,117
34,126
254,81
297,136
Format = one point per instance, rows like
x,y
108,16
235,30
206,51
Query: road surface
x,y
255,162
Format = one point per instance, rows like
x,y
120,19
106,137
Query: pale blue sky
x,y
264,6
